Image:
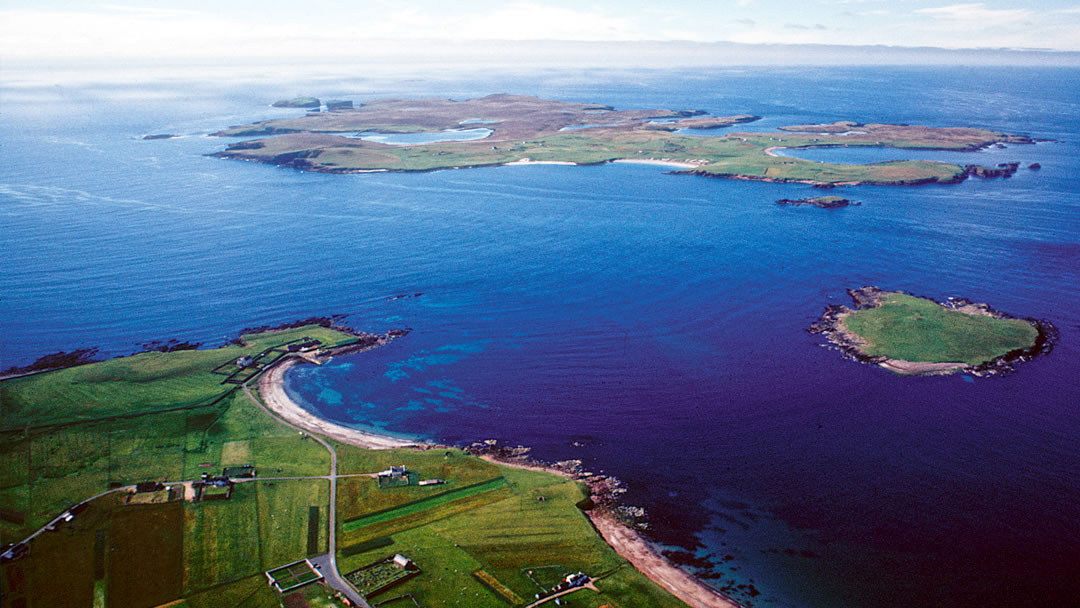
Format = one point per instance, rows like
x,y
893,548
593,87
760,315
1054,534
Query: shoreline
x,y
657,161
627,542
271,386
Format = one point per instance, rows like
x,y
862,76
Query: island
x,y
523,129
822,202
298,102
912,335
189,477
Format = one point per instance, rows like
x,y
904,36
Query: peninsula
x,y
189,478
910,335
520,129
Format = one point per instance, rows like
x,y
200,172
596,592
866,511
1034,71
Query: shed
x,y
401,561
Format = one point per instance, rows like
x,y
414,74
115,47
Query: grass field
x,y
916,329
503,535
145,555
424,504
53,456
141,383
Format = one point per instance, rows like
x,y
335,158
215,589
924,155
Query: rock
x,y
160,136
298,102
823,202
1002,170
1034,166
338,104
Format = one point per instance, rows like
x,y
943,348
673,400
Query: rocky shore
x,y
955,179
822,202
618,524
852,347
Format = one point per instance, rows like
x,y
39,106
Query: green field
x,y
423,504
916,329
139,384
502,532
77,432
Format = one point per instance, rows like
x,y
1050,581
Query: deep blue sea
x,y
652,326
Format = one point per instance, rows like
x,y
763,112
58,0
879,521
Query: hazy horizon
x,y
555,33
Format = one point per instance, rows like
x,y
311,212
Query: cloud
x,y
798,26
531,21
749,22
976,14
149,12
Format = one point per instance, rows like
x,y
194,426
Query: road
x,y
328,562
59,518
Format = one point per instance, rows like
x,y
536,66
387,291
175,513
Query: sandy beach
x,y
657,161
626,542
272,389
526,161
637,551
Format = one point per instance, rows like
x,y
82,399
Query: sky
x,y
275,28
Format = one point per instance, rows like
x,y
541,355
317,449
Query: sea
x,y
652,326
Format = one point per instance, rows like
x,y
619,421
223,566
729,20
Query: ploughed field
x,y
525,128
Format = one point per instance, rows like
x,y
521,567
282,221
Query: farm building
x,y
394,472
148,486
303,346
237,472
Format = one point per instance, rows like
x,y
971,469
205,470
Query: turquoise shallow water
x,y
647,324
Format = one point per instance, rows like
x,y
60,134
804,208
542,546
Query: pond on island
x,y
409,139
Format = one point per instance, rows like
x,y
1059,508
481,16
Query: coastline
x,y
272,390
627,542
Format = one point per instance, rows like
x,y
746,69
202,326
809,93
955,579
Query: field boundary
x,y
294,575
422,504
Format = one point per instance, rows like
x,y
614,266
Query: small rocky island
x,y
822,202
298,102
910,335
